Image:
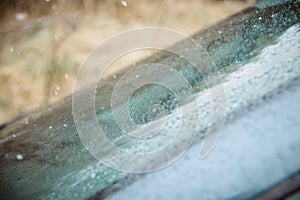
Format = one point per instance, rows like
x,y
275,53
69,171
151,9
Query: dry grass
x,y
40,55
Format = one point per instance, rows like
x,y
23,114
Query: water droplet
x,y
124,3
19,157
21,16
56,91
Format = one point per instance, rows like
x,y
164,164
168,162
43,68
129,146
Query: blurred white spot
x,y
115,76
124,3
55,36
260,18
47,0
66,76
56,91
19,157
50,127
14,135
21,16
11,49
136,76
65,125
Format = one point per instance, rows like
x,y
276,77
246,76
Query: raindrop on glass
x,y
56,91
19,157
124,3
21,16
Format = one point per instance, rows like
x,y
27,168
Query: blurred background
x,y
44,42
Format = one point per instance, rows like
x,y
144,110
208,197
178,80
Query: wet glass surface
x,y
257,54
